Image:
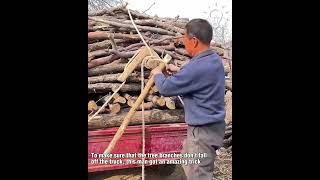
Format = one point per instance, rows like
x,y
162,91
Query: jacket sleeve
x,y
180,83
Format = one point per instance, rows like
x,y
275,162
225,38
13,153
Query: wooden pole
x,y
126,120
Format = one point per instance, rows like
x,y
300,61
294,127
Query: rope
x,y
142,104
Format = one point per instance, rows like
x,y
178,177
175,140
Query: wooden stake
x,y
133,109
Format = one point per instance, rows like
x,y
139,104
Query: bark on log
x,y
228,107
109,59
114,67
107,44
182,52
154,116
107,87
113,78
103,35
147,106
136,14
154,22
131,27
95,54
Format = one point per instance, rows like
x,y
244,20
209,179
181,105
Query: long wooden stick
x,y
133,109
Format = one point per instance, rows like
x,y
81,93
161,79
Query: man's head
x,y
197,37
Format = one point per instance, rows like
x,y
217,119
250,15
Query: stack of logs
x,y
112,42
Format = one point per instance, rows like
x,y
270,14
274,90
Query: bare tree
x,y
220,21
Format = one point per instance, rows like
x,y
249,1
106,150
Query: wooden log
x,y
169,47
218,50
98,53
92,106
170,103
107,87
147,106
130,99
154,116
103,35
107,44
114,108
106,52
120,100
111,58
113,78
131,27
228,85
136,14
114,67
155,22
160,101
182,52
228,107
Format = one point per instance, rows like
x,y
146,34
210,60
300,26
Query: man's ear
x,y
195,42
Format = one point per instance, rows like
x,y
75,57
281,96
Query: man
x,y
201,85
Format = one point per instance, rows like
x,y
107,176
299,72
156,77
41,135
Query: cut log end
x,y
92,106
120,99
114,108
170,103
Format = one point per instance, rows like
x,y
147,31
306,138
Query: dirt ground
x,y
223,171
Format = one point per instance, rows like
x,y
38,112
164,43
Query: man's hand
x,y
172,68
155,71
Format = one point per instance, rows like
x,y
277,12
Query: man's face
x,y
190,44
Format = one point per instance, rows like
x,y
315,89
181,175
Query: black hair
x,y
201,29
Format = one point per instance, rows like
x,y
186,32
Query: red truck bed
x,y
160,138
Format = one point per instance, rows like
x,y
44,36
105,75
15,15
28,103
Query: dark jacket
x,y
201,83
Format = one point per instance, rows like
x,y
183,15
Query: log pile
x,y
112,41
